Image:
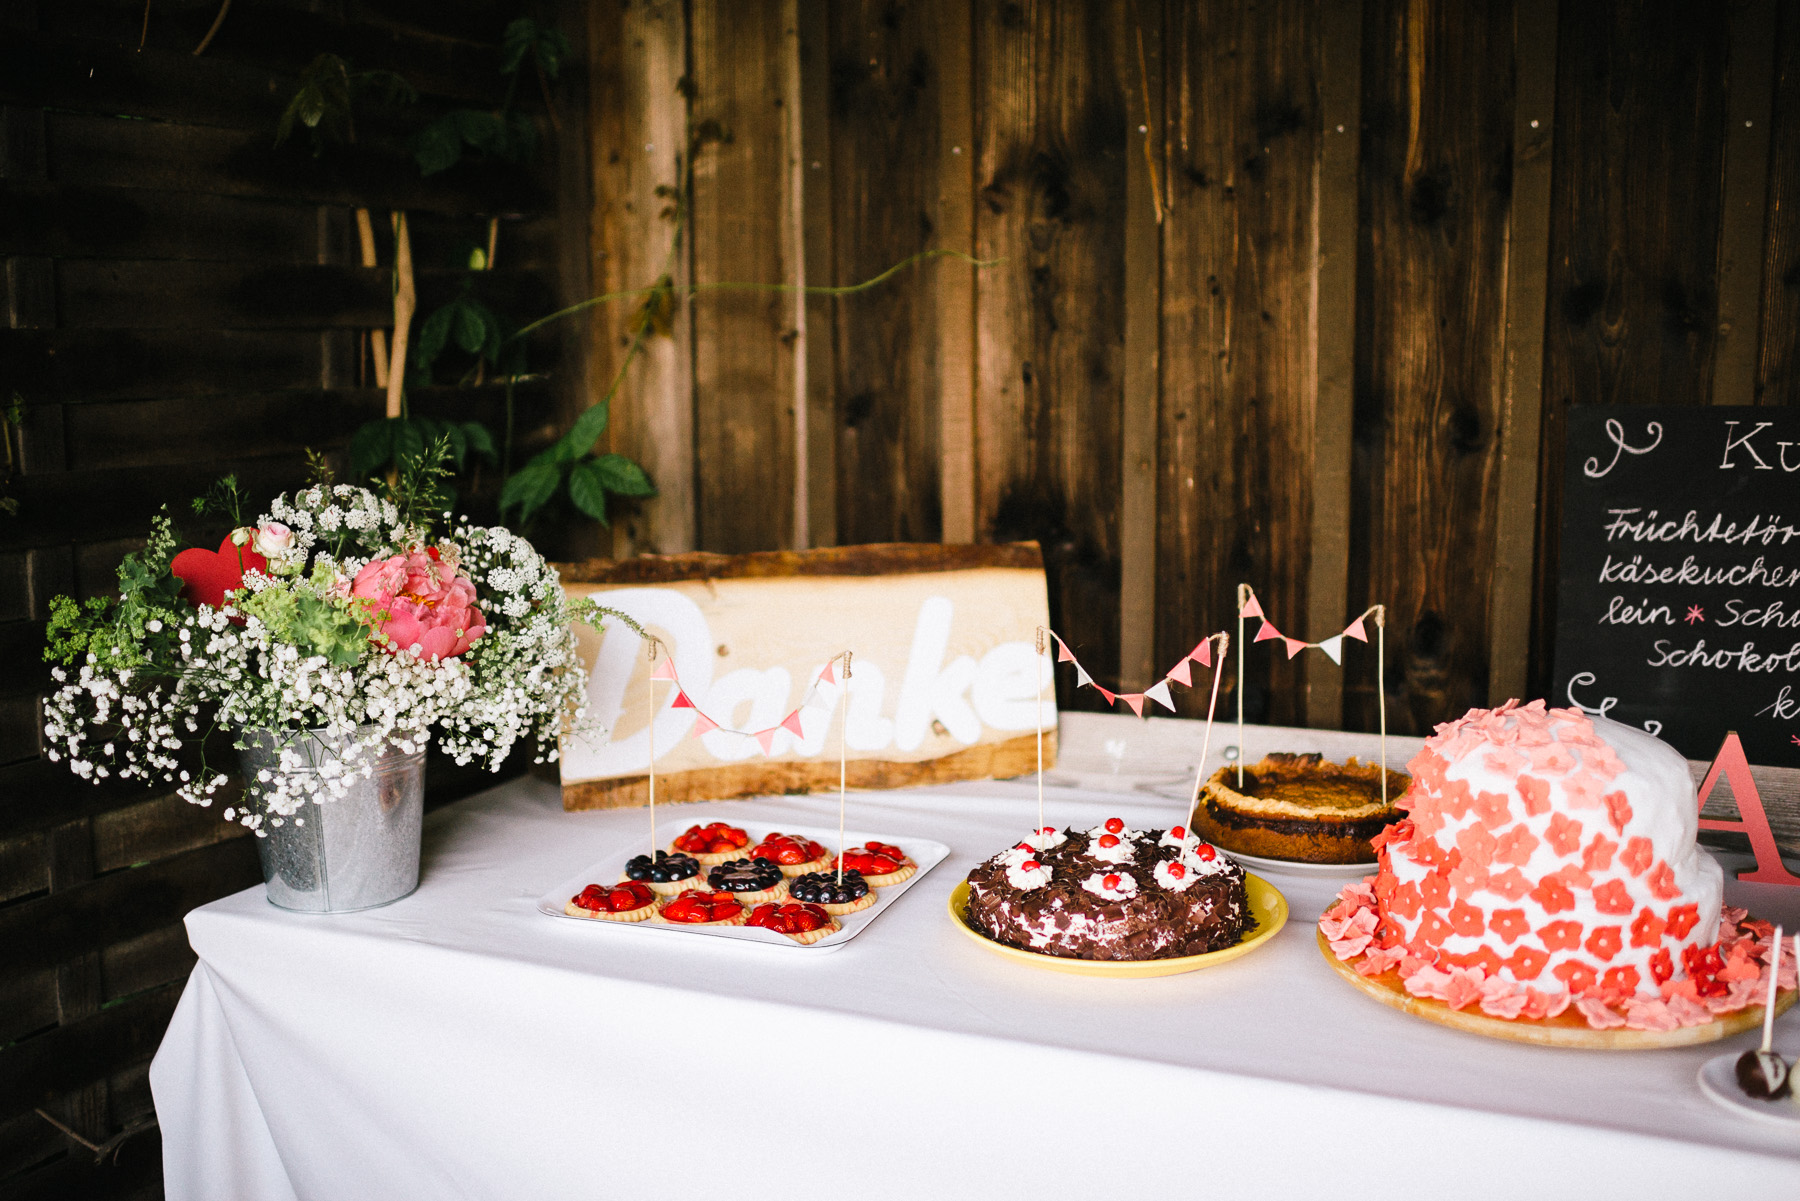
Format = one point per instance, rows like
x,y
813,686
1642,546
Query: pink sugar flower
x,y
420,604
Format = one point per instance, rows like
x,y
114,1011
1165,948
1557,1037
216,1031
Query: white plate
x,y
1718,1080
922,851
1289,866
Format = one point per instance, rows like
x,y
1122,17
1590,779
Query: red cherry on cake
x,y
1204,852
1107,841
1178,833
1025,846
1111,880
1114,825
1030,865
1176,871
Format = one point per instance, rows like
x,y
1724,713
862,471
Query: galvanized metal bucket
x,y
355,851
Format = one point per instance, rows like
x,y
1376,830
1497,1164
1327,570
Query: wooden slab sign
x,y
1678,603
946,682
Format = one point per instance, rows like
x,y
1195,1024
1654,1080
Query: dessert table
x,y
459,1043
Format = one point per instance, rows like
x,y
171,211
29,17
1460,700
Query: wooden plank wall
x,y
183,299
1294,293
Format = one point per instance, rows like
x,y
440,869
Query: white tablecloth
x,y
461,1044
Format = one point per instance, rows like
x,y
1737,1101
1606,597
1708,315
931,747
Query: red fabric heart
x,y
208,575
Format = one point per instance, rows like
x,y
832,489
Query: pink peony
x,y
420,604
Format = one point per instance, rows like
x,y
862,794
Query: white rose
x,y
273,539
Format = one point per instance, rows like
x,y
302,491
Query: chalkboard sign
x,y
1678,607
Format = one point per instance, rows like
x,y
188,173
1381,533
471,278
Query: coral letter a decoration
x,y
1753,822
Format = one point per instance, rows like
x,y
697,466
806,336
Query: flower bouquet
x,y
333,637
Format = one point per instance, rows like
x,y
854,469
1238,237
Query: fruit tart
x,y
715,842
880,863
752,881
624,902
666,874
793,854
831,894
697,908
805,924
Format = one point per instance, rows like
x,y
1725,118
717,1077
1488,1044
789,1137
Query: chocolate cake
x,y
1111,893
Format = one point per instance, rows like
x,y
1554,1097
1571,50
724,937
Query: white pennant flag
x,y
1082,678
1160,694
1334,646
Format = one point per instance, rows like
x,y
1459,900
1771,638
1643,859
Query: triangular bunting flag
x,y
681,701
1160,694
1181,673
1267,632
703,724
1110,696
1355,630
664,670
1252,608
1334,646
828,676
1063,654
1294,646
1082,678
767,738
1202,654
1135,700
792,723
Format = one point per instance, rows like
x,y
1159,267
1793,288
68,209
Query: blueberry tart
x,y
666,874
831,894
752,881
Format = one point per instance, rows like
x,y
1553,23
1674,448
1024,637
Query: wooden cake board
x,y
1567,1029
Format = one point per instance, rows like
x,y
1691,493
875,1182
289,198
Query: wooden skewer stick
x,y
1769,1005
1224,648
650,728
843,733
1381,689
1041,644
1243,598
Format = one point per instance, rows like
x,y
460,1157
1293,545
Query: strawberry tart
x,y
1547,861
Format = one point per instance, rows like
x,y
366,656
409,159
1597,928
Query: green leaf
x,y
621,475
479,440
587,489
530,489
585,432
471,326
409,439
438,146
459,441
371,448
433,334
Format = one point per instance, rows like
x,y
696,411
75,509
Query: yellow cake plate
x,y
1567,1029
1268,908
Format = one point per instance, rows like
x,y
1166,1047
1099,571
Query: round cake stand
x,y
1268,908
1566,1029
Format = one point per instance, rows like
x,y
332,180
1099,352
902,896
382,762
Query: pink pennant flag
x,y
664,670
792,723
1202,654
703,724
1160,694
1135,700
1181,673
829,676
1110,696
681,701
1355,630
1252,607
767,738
1294,646
1063,654
1267,632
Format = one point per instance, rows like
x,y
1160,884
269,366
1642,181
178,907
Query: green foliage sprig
x,y
570,467
503,133
121,633
386,443
324,101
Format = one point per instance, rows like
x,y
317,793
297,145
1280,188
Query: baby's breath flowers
x,y
305,648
